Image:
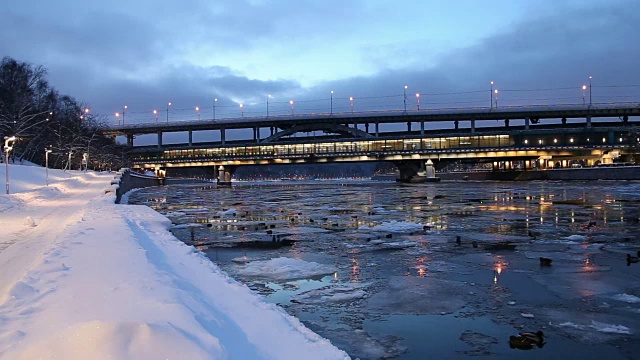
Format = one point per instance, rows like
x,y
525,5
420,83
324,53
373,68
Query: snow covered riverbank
x,y
83,278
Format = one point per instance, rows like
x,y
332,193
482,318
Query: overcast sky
x,y
145,53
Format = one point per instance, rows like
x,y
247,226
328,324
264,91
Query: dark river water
x,y
377,269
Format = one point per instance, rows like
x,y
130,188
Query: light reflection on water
x,y
536,216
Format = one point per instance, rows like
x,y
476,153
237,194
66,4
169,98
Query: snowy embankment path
x,y
83,278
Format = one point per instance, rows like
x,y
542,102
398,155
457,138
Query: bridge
x,y
524,137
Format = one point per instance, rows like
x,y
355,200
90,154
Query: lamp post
x,y
155,114
331,113
590,77
241,110
168,104
46,164
418,101
268,96
123,110
69,160
8,146
85,162
118,117
584,93
86,111
491,95
351,103
292,108
198,112
405,98
495,92
214,108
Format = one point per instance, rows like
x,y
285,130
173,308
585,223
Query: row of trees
x,y
41,118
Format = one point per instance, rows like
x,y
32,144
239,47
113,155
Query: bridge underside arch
x,y
324,127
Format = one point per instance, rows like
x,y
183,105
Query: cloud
x,y
146,53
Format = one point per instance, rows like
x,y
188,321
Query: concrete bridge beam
x,y
159,139
130,140
222,136
190,138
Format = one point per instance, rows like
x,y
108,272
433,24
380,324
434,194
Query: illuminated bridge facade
x,y
554,142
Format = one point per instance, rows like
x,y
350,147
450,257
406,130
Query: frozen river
x,y
377,270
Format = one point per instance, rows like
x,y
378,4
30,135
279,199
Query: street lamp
x,y
268,96
198,112
241,110
584,93
292,109
495,92
118,117
405,98
168,104
85,162
351,102
418,101
8,146
214,108
331,102
84,111
590,90
125,108
155,114
491,95
46,164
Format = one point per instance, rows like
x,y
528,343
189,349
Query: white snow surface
x,y
89,279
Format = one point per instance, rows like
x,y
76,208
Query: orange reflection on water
x,y
499,266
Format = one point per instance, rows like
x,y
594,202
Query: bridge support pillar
x,y
222,136
130,140
272,130
409,126
159,139
255,134
473,125
225,173
589,121
456,124
190,138
366,127
421,127
377,129
409,170
526,123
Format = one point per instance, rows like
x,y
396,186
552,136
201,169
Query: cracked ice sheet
x,y
423,295
573,285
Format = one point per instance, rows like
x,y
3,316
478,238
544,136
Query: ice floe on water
x,y
394,227
284,268
598,326
330,294
229,212
576,237
631,299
